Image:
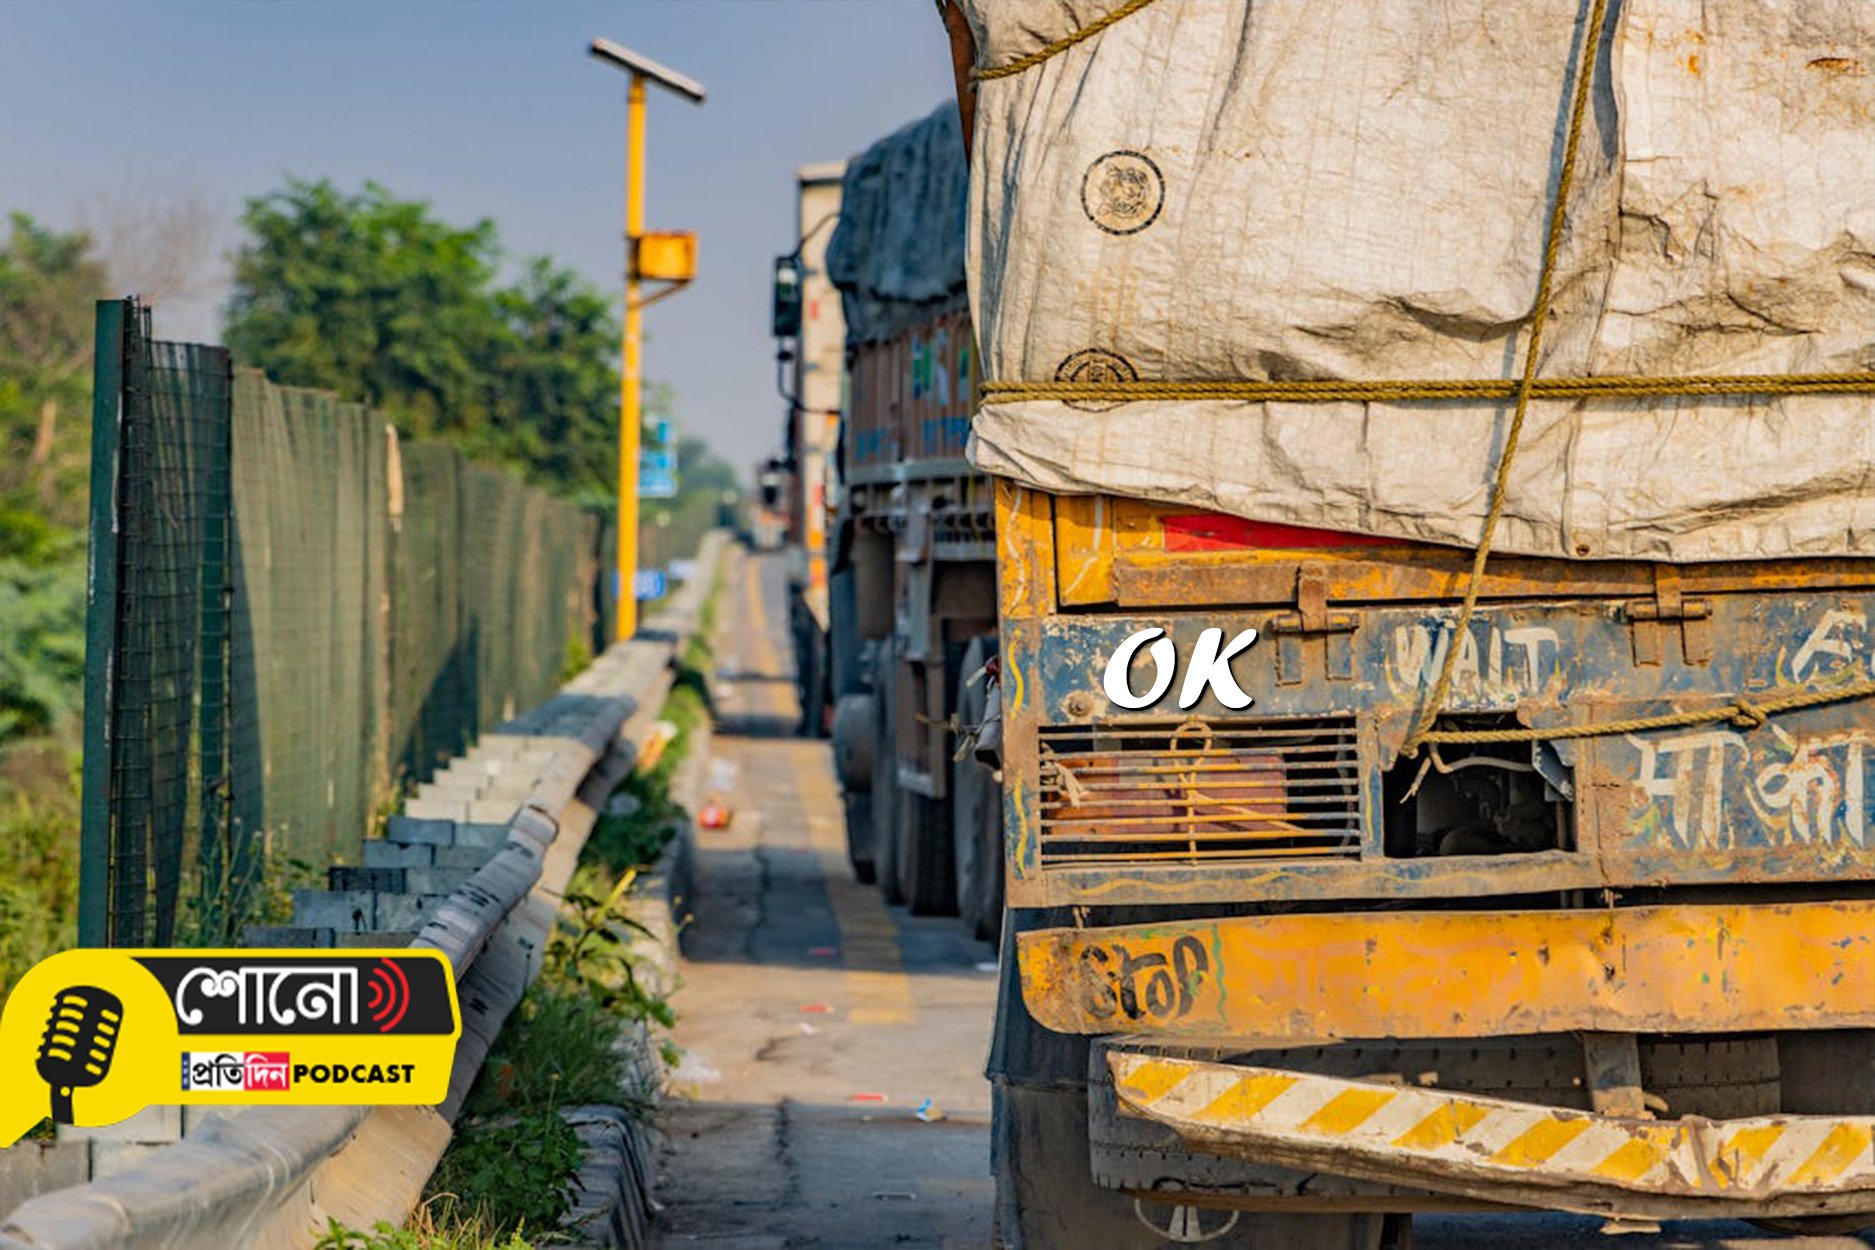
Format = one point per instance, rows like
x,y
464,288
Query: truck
x,y
1356,865
796,486
911,583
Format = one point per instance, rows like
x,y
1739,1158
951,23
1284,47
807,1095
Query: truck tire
x,y
854,718
854,746
885,793
927,880
815,682
806,661
977,811
1046,1198
859,836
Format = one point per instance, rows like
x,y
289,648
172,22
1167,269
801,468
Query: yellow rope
x,y
1613,386
1539,316
1060,45
1742,712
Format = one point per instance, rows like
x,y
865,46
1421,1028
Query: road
x,y
815,1020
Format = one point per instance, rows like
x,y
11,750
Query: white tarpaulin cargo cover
x,y
1358,189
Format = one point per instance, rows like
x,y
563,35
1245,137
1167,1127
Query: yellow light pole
x,y
669,257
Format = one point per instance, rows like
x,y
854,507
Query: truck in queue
x,y
796,485
909,649
1430,459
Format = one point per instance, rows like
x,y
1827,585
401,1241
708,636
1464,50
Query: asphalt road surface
x,y
815,1021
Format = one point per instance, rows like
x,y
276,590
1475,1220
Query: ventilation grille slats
x,y
1199,792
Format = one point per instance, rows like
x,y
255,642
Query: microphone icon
x,y
80,1037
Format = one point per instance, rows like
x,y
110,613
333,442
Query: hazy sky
x,y
489,109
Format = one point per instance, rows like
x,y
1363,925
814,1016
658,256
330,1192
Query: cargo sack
x,y
1221,190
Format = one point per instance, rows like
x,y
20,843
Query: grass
x,y
439,1224
38,857
636,837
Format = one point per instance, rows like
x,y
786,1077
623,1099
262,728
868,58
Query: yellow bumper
x,y
1512,1152
1704,969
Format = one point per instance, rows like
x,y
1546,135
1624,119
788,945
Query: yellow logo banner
x,y
91,1037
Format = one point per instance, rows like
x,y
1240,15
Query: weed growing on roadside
x,y
517,1170
565,1045
442,1223
634,839
590,950
578,658
559,1048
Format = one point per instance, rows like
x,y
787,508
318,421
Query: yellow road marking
x,y
877,991
1538,1143
1442,1127
881,992
1347,1110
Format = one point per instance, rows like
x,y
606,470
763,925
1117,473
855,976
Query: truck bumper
x,y
1508,1152
1713,968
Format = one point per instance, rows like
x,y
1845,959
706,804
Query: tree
x,y
561,389
372,297
369,296
48,287
164,245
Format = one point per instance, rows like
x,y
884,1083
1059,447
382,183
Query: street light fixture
x,y
661,256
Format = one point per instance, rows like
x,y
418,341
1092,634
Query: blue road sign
x,y
657,473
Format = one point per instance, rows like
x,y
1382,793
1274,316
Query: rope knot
x,y
1748,715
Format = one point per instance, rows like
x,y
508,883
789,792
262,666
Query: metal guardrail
x,y
271,1176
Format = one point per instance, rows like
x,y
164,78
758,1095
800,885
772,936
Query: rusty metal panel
x,y
870,438
1690,968
941,386
1155,555
1789,800
1499,1150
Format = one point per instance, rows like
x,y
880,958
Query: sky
x,y
484,108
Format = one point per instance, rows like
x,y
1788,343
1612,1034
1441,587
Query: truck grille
x,y
1199,791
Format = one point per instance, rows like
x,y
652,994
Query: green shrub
x,y
38,859
557,1049
516,1172
42,642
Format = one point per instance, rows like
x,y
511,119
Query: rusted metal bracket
x,y
1669,606
1612,1063
1312,620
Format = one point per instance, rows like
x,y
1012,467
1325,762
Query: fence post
x,y
227,869
94,842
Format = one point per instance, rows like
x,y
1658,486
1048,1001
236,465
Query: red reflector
x,y
1212,531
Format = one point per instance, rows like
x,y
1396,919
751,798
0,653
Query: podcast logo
x,y
75,1050
109,1032
387,994
260,1071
